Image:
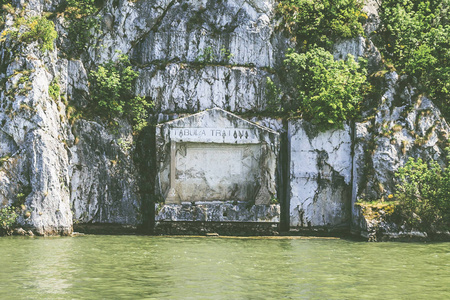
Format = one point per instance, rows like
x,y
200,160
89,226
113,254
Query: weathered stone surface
x,y
320,175
377,224
97,176
359,48
39,152
179,88
103,179
57,170
218,212
190,59
413,127
215,229
187,30
405,125
215,155
33,138
74,78
274,124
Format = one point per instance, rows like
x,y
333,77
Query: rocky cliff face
x,y
404,125
65,169
192,55
320,176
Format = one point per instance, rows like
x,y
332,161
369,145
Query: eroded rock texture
x,y
320,176
67,169
405,125
192,55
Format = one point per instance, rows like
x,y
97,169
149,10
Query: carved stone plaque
x,y
206,172
216,156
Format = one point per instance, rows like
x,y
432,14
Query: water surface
x,y
144,267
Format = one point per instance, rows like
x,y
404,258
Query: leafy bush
x,y
111,89
54,90
273,97
5,5
8,216
3,2
40,30
138,112
326,92
424,194
36,29
321,22
83,23
415,36
77,9
209,56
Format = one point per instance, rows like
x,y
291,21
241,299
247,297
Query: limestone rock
x,y
320,175
192,56
412,128
218,212
103,178
180,89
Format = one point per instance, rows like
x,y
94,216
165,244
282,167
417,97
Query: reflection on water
x,y
142,267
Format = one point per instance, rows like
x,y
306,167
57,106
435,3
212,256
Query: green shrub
x,y
225,55
321,22
207,56
5,5
3,2
273,97
8,216
41,30
82,23
111,89
54,90
4,159
423,192
415,37
139,112
326,92
77,9
36,29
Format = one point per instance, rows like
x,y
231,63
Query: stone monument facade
x,y
213,164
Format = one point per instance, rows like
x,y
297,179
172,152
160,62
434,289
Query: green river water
x,y
145,267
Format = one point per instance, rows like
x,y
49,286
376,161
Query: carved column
x,y
172,197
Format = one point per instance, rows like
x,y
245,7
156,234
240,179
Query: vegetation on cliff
x,y
8,216
111,88
328,91
321,22
423,194
28,30
415,38
322,90
82,24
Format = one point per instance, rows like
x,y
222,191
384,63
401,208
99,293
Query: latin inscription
x,y
224,135
199,176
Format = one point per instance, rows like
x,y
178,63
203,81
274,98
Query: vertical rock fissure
x,y
284,178
145,159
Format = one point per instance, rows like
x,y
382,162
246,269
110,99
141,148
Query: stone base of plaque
x,y
216,228
218,211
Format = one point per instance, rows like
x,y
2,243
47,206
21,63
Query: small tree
x,y
42,30
8,216
415,36
82,23
111,89
327,92
423,193
321,22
